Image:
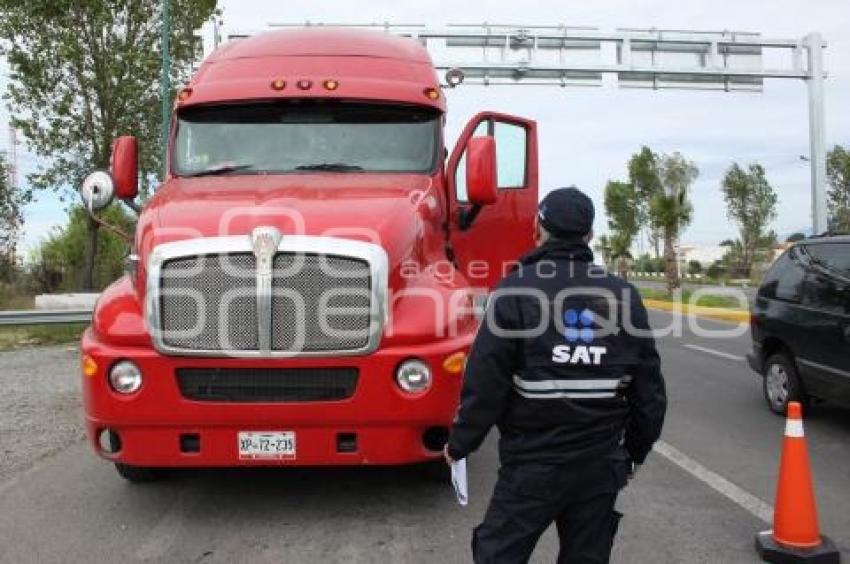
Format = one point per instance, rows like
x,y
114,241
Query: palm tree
x,y
671,210
603,247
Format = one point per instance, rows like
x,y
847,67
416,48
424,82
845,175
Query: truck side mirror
x,y
125,167
97,190
481,170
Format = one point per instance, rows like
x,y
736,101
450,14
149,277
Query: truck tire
x,y
782,383
138,474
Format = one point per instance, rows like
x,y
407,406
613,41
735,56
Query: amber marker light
x,y
455,363
331,84
184,94
89,366
304,84
431,93
278,84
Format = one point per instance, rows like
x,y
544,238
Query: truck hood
x,y
387,209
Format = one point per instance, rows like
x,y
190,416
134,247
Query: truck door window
x,y
460,174
510,155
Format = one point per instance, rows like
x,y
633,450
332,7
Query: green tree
x,y
11,221
694,267
603,248
670,210
794,237
86,71
716,271
621,207
644,177
751,203
59,261
838,176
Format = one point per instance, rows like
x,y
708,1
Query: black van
x,y
800,324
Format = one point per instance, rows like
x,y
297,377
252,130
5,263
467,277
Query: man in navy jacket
x,y
565,365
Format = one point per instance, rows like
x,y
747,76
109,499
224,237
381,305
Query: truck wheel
x,y
782,384
138,474
436,471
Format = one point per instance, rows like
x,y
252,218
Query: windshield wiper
x,y
223,169
330,167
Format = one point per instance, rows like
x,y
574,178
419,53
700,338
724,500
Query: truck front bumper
x,y
389,426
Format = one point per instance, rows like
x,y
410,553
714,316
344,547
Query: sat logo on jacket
x,y
578,330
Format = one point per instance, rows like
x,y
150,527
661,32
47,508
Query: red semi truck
x,y
302,287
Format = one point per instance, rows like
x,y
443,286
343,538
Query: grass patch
x,y
705,300
14,302
34,335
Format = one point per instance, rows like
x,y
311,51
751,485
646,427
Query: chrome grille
x,y
299,283
225,286
258,318
209,303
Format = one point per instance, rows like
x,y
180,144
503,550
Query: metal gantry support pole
x,y
165,79
817,132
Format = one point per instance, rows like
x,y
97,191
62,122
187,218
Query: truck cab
x,y
306,282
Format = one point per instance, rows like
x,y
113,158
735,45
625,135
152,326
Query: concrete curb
x,y
724,314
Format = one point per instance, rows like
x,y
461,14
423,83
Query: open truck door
x,y
492,183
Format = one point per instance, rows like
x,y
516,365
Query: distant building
x,y
706,255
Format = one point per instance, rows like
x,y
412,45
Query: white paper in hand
x,y
459,481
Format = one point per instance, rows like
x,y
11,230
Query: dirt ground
x,y
40,411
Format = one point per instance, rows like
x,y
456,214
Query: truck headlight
x,y
413,376
125,377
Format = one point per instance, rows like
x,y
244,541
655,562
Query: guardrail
x,y
42,316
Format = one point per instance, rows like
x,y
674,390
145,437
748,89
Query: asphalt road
x,y
69,506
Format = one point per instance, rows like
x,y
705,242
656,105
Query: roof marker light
x,y
304,84
184,94
331,84
431,93
278,84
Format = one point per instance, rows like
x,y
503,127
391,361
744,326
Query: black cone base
x,y
771,551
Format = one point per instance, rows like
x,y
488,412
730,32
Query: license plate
x,y
266,445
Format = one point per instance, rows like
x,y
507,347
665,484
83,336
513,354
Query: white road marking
x,y
721,354
165,533
715,481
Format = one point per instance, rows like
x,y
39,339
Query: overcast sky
x,y
587,134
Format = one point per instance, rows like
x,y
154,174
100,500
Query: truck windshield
x,y
305,136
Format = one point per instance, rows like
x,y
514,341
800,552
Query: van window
x,y
784,280
834,256
305,136
824,293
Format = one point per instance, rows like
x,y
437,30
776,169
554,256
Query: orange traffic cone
x,y
795,536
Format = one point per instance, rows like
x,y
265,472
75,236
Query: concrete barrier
x,y
66,301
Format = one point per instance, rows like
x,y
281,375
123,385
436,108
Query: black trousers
x,y
528,498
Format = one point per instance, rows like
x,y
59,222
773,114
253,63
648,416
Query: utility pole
x,y
165,80
217,22
817,134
